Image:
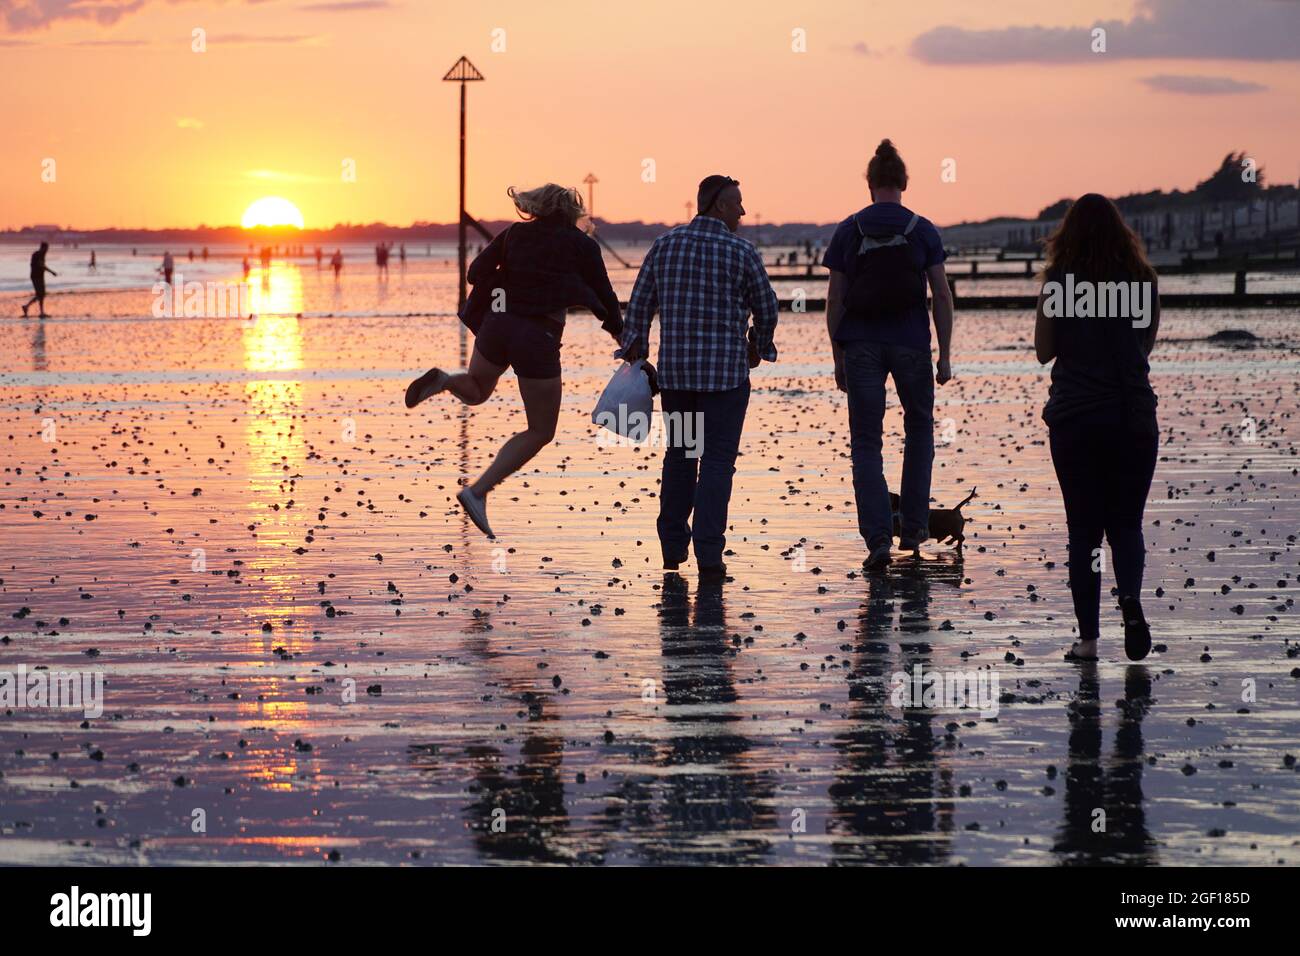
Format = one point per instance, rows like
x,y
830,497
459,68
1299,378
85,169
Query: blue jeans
x,y
865,366
701,484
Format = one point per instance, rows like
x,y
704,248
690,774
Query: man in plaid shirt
x,y
705,282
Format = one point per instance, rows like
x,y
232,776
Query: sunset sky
x,y
145,132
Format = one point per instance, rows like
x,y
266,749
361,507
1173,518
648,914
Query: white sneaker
x,y
476,508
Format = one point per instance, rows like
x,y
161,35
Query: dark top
x,y
38,265
913,329
550,265
1101,373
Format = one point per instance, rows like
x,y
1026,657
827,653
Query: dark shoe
x,y
713,573
878,559
1137,634
426,386
675,562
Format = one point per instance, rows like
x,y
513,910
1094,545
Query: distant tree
x,y
1227,184
1056,210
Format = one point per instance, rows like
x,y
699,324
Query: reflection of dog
x,y
945,523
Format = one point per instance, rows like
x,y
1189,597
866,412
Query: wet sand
x,y
555,682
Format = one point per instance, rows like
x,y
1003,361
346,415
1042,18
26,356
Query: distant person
x,y
542,266
336,263
93,267
247,268
705,282
318,257
205,253
39,268
1101,415
401,253
168,267
266,258
191,255
880,259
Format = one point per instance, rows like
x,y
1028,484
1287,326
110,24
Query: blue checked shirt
x,y
704,282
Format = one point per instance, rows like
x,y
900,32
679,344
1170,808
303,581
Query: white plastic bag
x,y
626,405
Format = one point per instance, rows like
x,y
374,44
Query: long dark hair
x,y
1094,240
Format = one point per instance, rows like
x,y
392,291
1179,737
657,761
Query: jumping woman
x,y
524,281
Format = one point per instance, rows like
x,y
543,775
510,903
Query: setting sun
x,y
271,211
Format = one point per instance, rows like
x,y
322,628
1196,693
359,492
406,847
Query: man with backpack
x,y
880,259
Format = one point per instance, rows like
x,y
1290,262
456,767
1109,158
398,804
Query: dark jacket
x,y
549,266
1101,374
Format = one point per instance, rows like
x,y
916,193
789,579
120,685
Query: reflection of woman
x,y
533,271
1105,810
1101,414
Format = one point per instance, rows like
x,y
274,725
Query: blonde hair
x,y
548,199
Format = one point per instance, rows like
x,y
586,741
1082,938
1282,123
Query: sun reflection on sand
x,y
275,292
276,449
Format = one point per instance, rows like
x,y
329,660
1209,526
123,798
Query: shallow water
x,y
213,488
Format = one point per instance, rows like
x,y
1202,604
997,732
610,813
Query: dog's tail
x,y
965,500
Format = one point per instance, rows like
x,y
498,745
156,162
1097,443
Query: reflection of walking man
x,y
39,268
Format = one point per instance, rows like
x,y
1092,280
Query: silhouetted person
x,y
1101,412
93,266
266,258
247,268
318,257
401,253
205,253
535,270
39,268
336,262
705,282
881,259
168,267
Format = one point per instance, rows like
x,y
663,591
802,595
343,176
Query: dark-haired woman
x,y
533,270
1097,317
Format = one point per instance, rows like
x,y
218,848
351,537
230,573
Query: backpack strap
x,y
906,232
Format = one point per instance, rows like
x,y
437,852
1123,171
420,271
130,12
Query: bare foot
x,y
1082,651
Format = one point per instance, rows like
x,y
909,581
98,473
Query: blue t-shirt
x,y
912,330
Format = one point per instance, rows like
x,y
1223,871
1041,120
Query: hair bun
x,y
886,148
